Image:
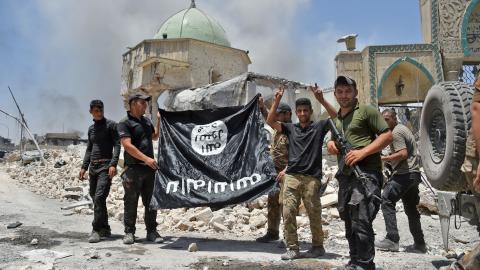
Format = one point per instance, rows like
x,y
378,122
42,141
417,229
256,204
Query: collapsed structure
x,y
191,60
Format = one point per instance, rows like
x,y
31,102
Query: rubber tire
x,y
453,100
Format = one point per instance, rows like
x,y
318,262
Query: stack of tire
x,y
444,127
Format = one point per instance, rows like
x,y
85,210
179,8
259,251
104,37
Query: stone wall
x,y
157,65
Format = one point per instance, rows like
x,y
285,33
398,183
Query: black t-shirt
x,y
102,138
140,132
305,147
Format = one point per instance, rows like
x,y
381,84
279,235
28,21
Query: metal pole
x,y
18,107
24,123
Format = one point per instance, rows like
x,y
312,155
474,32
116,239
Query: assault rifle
x,y
344,147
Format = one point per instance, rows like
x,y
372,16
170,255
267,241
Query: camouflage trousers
x,y
274,206
469,168
470,261
299,187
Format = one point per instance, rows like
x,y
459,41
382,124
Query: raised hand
x,y
317,92
279,92
261,103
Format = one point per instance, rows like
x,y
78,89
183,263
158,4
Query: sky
x,y
57,55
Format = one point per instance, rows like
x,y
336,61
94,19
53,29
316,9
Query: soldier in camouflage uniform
x,y
471,169
304,171
279,153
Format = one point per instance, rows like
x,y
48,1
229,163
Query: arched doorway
x,y
470,31
405,81
403,87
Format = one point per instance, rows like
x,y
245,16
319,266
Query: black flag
x,y
214,158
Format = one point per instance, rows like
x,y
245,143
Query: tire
x,y
444,127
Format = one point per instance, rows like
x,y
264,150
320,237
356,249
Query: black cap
x,y
345,80
283,107
138,96
96,103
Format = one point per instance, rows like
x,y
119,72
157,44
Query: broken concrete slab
x,y
333,212
44,256
329,200
219,227
14,225
257,221
193,247
204,215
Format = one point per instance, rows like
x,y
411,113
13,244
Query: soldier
x,y
364,128
473,150
136,135
471,169
304,171
102,166
279,153
403,184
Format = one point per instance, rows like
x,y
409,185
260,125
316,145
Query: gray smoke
x,y
80,51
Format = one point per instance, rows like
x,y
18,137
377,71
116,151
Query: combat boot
x,y
291,255
154,236
315,252
267,238
105,233
129,239
387,245
94,237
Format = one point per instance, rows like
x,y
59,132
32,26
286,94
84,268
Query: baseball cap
x,y
283,107
96,103
345,80
138,96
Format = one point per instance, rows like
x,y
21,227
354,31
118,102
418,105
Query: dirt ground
x,y
58,230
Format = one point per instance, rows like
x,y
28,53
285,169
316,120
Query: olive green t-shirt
x,y
360,127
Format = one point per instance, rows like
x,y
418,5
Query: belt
x,y
99,161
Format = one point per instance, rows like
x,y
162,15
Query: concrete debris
x,y
60,163
14,225
204,215
257,218
184,225
333,212
193,247
34,242
92,254
329,200
217,218
44,256
450,254
329,190
219,227
247,218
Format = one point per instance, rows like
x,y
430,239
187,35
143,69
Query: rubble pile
x,y
56,179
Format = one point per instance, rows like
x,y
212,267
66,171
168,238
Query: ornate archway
x,y
404,81
470,29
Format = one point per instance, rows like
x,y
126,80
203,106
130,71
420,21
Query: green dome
x,y
193,23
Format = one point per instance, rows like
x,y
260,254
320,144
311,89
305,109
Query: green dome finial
x,y
193,23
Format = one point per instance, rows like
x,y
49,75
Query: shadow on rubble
x,y
440,263
46,238
231,245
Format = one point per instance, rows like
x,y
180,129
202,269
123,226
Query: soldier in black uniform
x,y
102,139
136,135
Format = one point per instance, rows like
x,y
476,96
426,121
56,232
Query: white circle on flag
x,y
209,139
